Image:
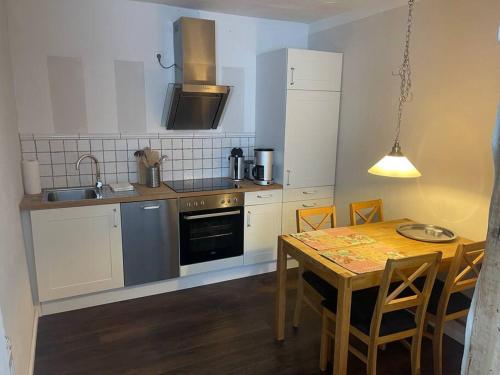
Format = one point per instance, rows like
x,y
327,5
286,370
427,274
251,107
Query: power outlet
x,y
161,59
162,54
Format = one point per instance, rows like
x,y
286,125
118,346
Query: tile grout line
x,y
195,157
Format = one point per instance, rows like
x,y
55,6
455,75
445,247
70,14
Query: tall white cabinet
x,y
297,113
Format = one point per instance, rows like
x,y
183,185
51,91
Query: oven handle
x,y
216,214
212,236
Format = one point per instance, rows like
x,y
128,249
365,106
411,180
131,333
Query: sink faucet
x,y
98,181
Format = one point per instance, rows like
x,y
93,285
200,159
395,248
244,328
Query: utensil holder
x,y
153,177
141,172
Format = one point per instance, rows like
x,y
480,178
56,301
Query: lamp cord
x,y
405,71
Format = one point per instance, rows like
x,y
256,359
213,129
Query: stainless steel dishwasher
x,y
150,236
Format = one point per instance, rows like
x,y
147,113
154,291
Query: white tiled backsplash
x,y
188,158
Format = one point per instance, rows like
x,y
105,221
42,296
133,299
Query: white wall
x,y
15,295
4,353
447,127
101,31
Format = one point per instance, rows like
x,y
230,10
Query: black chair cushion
x,y
362,308
458,301
321,286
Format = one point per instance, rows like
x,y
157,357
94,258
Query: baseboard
x,y
185,282
36,315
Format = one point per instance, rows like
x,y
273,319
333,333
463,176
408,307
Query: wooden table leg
x,y
280,291
341,346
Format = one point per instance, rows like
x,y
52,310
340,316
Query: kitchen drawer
x,y
300,194
263,197
289,213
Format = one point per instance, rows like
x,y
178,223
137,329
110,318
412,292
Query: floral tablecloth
x,y
355,252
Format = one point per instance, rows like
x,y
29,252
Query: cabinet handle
x,y
288,177
151,207
309,205
265,196
248,219
292,82
115,218
309,192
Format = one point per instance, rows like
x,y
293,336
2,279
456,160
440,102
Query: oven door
x,y
211,235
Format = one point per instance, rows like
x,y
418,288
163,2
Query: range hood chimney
x,y
194,101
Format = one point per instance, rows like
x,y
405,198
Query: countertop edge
x,y
35,203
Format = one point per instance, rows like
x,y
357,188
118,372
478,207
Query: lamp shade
x,y
395,164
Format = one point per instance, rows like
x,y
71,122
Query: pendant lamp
x,y
395,164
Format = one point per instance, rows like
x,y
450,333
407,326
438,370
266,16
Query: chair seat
x,y
458,301
321,286
362,308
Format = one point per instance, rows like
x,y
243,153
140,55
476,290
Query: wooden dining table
x,y
346,281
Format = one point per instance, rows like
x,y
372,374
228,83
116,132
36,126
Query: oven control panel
x,y
211,202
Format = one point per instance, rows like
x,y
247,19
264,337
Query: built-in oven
x,y
211,232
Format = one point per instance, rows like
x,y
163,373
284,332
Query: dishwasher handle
x,y
151,207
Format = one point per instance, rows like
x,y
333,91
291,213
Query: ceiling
x,y
306,11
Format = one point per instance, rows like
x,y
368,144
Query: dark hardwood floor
x,y
224,328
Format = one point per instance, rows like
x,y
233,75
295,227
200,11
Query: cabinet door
x,y
289,219
314,70
262,228
77,250
311,138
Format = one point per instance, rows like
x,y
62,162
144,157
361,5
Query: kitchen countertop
x,y
34,202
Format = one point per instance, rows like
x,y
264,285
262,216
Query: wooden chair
x,y
368,211
315,289
446,302
380,315
323,214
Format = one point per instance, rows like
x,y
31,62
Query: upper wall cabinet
x,y
313,70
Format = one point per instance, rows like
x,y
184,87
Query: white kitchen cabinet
x,y
313,70
299,122
308,193
262,228
77,250
263,197
310,138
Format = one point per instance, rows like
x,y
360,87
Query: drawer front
x,y
300,194
289,218
263,197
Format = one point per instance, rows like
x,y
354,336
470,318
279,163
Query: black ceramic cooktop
x,y
204,184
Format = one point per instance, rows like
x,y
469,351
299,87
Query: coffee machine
x,y
263,170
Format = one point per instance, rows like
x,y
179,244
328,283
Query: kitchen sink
x,y
76,194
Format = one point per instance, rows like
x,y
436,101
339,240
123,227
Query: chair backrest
x,y
405,295
321,216
463,273
368,212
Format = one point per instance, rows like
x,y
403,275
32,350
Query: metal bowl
x,y
426,233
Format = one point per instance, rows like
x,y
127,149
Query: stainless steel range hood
x,y
194,101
